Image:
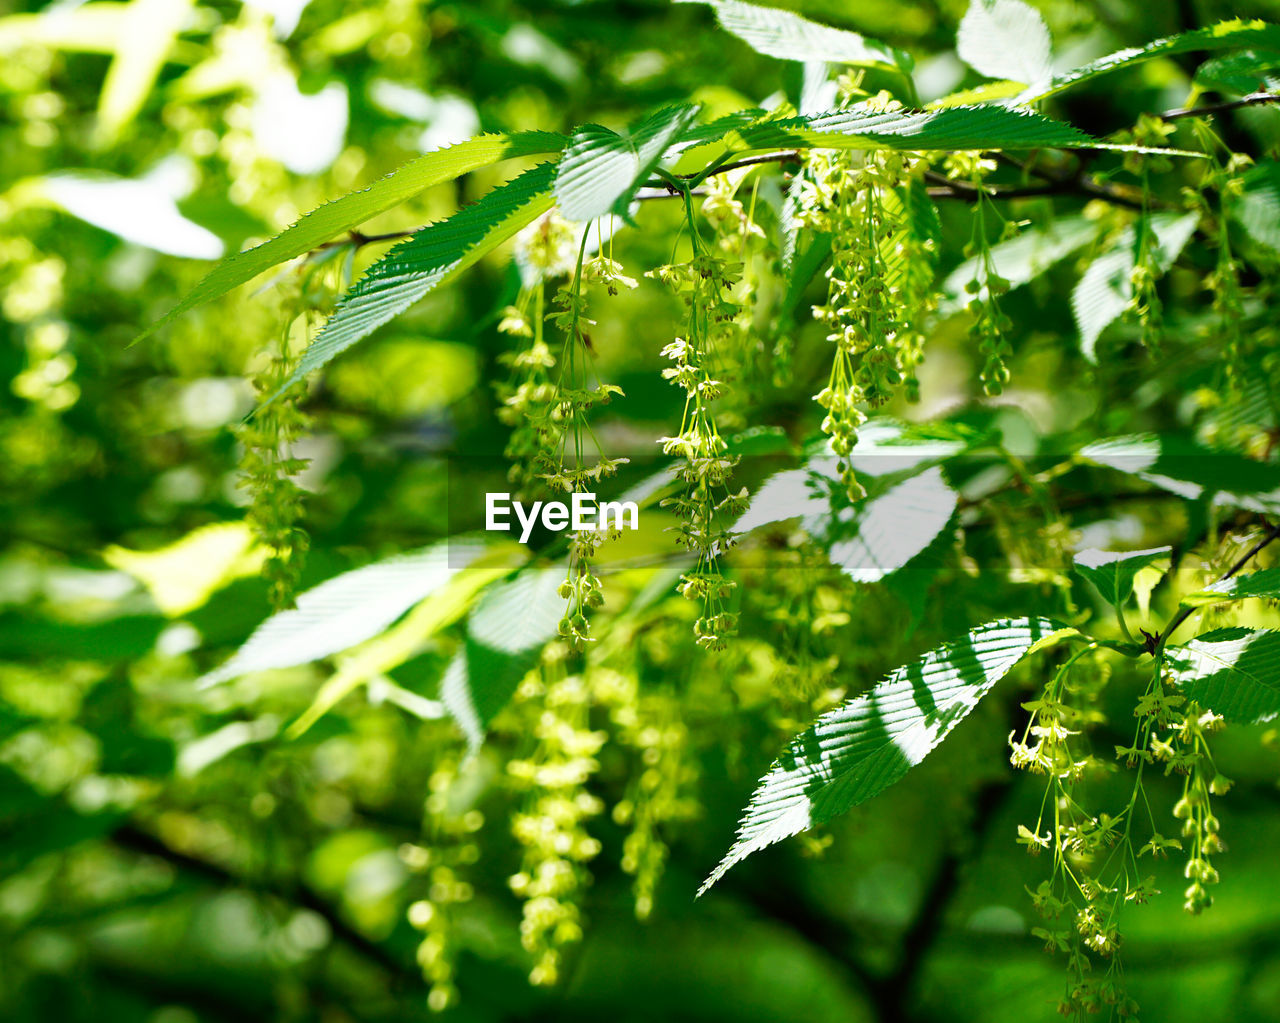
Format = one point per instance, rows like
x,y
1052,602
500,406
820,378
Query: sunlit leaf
x,y
352,210
1005,39
1113,572
1240,587
1232,672
861,748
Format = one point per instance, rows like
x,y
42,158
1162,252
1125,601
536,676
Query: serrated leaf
x,y
1257,209
431,257
335,218
505,636
1242,73
788,36
884,534
1113,572
1232,672
1253,584
948,129
1234,34
862,747
1191,471
601,169
1005,39
1021,259
1106,289
353,607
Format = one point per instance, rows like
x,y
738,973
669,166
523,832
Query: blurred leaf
x,y
1113,572
1005,39
1022,259
146,36
355,606
788,36
395,646
1257,209
862,747
1232,672
352,210
1189,470
1106,289
1245,72
505,636
141,211
1252,584
182,576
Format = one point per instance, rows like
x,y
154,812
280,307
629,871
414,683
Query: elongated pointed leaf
x,y
337,217
1105,290
886,532
395,646
1232,672
1005,39
352,607
602,169
948,129
1226,35
1258,208
1113,572
1021,259
862,747
431,257
1253,584
505,636
1191,471
788,36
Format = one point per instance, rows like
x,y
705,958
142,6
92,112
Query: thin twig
x,y
1157,643
1254,99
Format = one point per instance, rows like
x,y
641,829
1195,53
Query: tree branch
x,y
134,839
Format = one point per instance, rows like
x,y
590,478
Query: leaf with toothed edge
x,y
335,218
862,747
1232,672
426,260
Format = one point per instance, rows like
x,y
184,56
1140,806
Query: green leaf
x,y
788,36
429,258
148,32
1242,73
1105,290
1005,39
505,636
1226,35
1254,584
862,747
1257,210
887,532
352,210
404,639
1113,572
1021,259
1190,470
1232,672
948,129
355,606
601,170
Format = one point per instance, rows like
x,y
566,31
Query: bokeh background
x,y
166,855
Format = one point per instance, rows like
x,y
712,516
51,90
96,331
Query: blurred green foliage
x,y
167,855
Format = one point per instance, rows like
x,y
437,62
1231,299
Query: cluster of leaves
x,y
921,221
